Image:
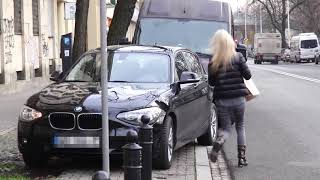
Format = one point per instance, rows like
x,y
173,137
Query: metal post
x,y
105,174
260,18
146,140
104,83
255,23
101,175
245,22
289,31
132,157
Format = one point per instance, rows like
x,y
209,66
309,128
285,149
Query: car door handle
x,y
195,85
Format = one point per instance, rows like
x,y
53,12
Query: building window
x,y
17,16
35,17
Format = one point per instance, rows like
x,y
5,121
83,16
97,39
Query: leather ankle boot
x,y
215,149
242,156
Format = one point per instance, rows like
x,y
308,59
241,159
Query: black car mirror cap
x,y
56,76
185,78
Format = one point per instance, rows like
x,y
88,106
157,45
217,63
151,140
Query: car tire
x,y
316,61
166,145
208,138
35,157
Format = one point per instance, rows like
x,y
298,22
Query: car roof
x,y
142,48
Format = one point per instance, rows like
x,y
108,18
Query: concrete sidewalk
x,y
190,163
23,86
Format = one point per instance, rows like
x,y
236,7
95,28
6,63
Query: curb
x,y
205,169
202,164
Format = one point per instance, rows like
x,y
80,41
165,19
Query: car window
x,y
193,63
181,64
86,69
128,67
307,44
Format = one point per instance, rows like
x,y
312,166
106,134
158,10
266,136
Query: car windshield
x,y
308,44
192,34
123,67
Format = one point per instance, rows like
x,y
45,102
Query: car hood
x,y
122,96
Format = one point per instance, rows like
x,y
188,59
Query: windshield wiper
x,y
203,54
75,81
120,81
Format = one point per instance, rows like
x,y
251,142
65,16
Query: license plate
x,y
76,142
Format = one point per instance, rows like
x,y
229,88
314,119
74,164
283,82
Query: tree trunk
x,y
80,35
121,20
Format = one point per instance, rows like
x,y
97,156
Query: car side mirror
x,y
189,77
56,76
185,78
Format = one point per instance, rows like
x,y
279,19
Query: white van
x,y
304,47
267,47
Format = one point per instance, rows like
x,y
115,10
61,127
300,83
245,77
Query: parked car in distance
x,y
267,47
304,47
168,84
285,55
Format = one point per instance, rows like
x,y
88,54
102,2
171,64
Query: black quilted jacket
x,y
229,83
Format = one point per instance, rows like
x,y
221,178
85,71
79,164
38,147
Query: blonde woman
x,y
226,72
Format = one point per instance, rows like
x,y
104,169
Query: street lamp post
x,y
260,18
105,173
104,83
245,20
289,31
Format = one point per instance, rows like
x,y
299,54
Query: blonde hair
x,y
223,49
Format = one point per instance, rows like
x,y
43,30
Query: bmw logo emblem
x,y
78,109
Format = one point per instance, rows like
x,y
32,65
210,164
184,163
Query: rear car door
x,y
202,102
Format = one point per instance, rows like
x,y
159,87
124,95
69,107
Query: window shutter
x,y
17,16
35,17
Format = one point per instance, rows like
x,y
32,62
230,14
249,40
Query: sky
x,y
236,3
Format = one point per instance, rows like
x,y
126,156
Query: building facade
x,y
30,32
30,38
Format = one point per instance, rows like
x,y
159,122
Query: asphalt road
x,y
282,125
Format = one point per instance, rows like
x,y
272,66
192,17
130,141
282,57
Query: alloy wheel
x,y
170,143
213,126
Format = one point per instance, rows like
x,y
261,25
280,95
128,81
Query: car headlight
x,y
135,116
29,114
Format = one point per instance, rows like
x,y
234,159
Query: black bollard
x,y
100,175
145,141
132,157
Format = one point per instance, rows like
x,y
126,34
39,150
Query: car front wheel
x,y
166,145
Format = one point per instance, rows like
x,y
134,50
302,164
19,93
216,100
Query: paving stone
x,y
187,162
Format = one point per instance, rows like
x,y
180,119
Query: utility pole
x,y
260,18
104,83
255,24
289,31
245,21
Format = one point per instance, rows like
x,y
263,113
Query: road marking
x,y
290,75
3,132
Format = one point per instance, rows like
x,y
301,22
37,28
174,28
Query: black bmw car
x,y
168,84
